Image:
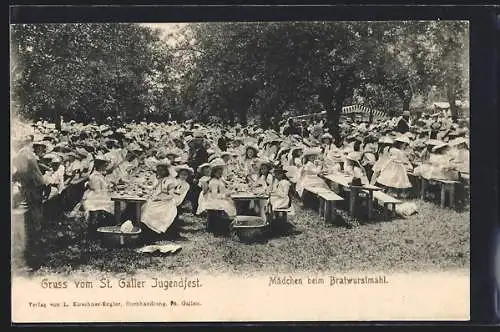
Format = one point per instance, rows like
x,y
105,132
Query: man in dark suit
x,y
33,189
403,125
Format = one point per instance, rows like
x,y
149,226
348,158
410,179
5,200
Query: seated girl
x,y
460,155
332,162
160,211
97,196
354,169
438,164
280,191
294,163
201,181
217,197
55,177
309,172
263,180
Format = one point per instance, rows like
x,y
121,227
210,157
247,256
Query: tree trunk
x,y
333,117
406,103
230,115
451,96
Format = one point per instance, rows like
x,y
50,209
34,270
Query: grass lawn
x,y
433,239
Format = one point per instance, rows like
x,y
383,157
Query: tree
x,y
89,70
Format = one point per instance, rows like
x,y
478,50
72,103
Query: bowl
x,y
250,229
112,236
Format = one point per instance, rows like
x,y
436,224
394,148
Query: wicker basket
x,y
112,236
250,229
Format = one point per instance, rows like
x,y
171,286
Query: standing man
x,y
222,141
403,125
33,189
198,155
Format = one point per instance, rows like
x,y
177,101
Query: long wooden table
x,y
135,200
244,197
344,181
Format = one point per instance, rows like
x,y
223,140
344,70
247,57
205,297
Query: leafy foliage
x,y
82,71
236,72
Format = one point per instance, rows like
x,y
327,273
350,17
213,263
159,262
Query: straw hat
x,y
251,146
172,152
218,162
439,147
212,157
433,142
164,162
326,136
354,156
385,140
202,166
184,167
312,151
458,141
102,158
403,139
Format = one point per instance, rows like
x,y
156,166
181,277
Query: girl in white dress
x,y
310,171
97,196
294,163
280,192
161,209
353,167
394,173
55,177
217,196
250,162
202,182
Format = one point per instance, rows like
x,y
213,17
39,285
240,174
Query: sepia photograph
x,y
214,166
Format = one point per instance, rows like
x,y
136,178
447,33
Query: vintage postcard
x,y
257,171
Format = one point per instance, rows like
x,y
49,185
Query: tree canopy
x,y
238,72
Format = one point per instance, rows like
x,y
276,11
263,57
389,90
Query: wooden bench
x,y
215,222
448,188
385,200
282,213
327,199
327,205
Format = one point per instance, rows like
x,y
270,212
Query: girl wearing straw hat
x,y
384,144
201,181
294,163
97,196
460,154
55,177
438,166
280,190
217,195
160,210
353,167
394,173
310,171
250,161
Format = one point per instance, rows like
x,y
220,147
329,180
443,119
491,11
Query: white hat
x,y
184,167
439,147
402,139
218,162
202,166
311,151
